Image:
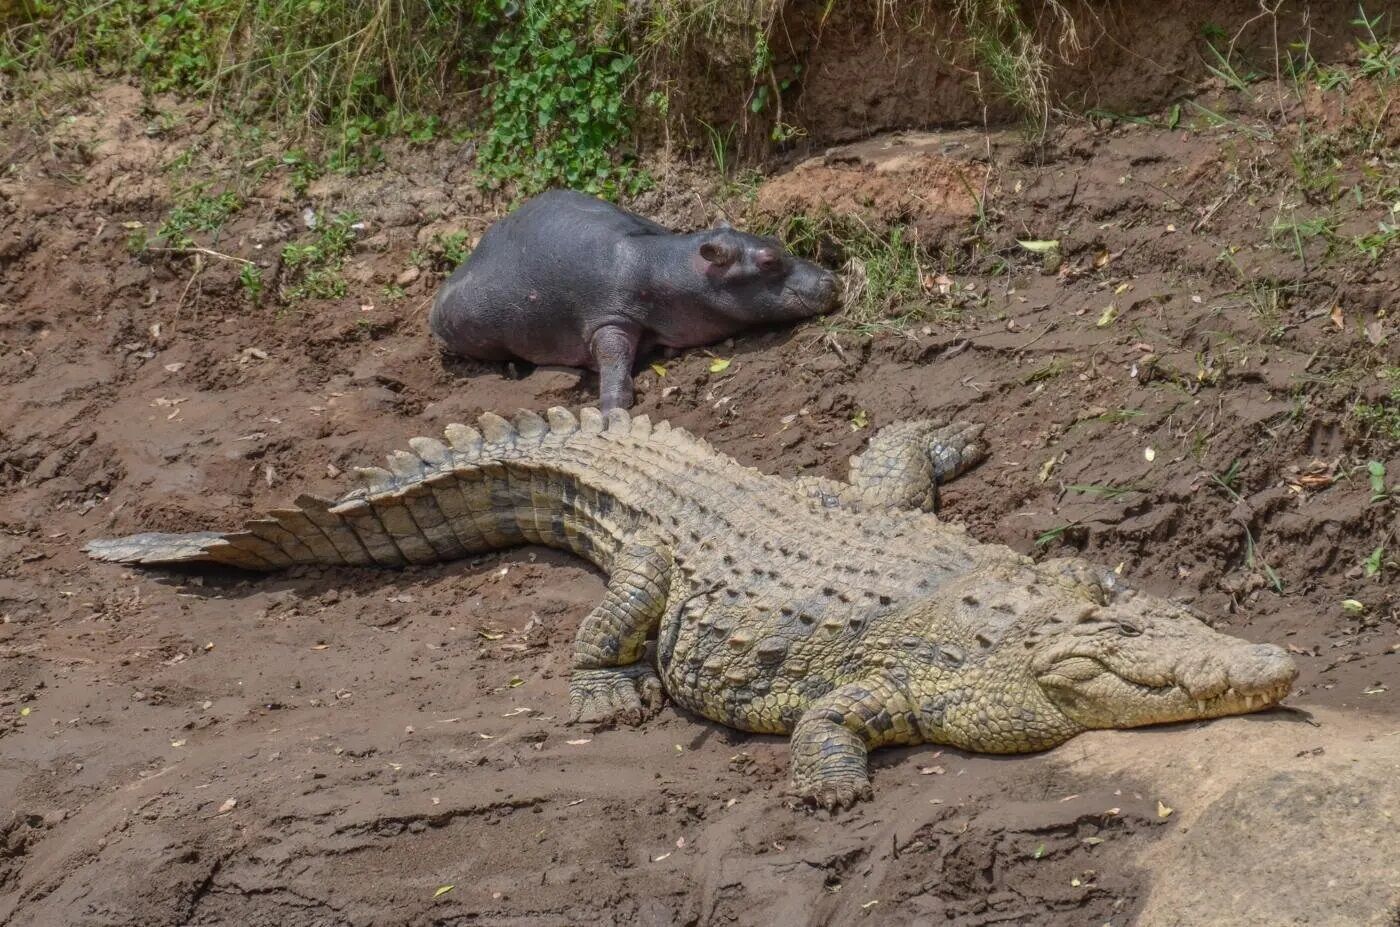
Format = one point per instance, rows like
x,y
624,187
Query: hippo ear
x,y
719,252
723,224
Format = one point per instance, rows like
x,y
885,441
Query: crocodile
x,y
845,614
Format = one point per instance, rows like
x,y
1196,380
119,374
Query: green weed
x,y
889,278
313,269
1374,244
251,278
1227,67
196,211
1252,557
1230,479
1046,538
1382,418
1047,371
1380,492
558,110
1296,231
1378,56
1105,490
1375,563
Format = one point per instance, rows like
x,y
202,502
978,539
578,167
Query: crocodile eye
x,y
1128,630
950,656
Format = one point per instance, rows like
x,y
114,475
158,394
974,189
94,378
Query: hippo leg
x,y
614,352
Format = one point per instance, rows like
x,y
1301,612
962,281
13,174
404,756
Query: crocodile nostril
x,y
1263,666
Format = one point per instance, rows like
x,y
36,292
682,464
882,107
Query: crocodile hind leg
x,y
835,734
902,467
609,682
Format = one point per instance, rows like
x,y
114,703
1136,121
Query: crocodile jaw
x,y
1109,691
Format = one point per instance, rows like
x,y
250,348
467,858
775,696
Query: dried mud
x,y
338,747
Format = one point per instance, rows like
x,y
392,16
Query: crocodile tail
x,y
308,533
436,503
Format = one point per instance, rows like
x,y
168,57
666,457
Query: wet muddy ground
x,y
1176,392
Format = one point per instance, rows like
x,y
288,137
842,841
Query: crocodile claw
x,y
833,793
617,695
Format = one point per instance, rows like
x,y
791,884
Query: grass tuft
x,y
890,281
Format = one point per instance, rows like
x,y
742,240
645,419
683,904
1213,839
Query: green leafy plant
x,y
1105,490
1230,479
1382,418
251,277
197,211
1226,68
1379,491
1378,56
313,268
557,102
1374,563
1252,558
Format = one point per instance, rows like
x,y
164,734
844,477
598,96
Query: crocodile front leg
x,y
835,734
902,467
608,682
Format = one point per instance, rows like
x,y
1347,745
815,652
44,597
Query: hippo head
x,y
753,280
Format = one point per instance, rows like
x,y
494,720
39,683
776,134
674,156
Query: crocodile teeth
x,y
1200,705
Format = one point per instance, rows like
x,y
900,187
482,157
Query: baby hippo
x,y
569,279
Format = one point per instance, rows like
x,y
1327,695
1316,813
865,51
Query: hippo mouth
x,y
820,300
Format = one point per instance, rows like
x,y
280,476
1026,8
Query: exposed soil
x,y
851,70
336,747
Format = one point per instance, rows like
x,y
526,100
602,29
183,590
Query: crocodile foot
x,y
616,695
834,793
955,449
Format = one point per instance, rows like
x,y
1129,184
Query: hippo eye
x,y
1128,630
768,261
718,253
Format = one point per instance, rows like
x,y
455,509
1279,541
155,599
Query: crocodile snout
x,y
1260,668
1236,679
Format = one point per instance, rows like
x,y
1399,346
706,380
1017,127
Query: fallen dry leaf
x,y
1163,811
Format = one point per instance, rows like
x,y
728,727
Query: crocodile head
x,y
1057,661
